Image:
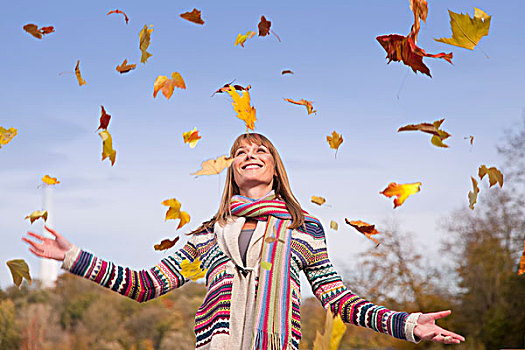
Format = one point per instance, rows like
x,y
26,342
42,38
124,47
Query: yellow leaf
x,y
437,141
37,214
144,40
401,191
335,141
50,180
495,176
6,135
191,137
192,270
19,270
241,105
175,213
241,39
168,85
107,146
333,225
433,128
79,76
214,166
473,195
334,329
318,200
467,31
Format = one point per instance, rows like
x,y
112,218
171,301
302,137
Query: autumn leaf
x,y
121,12
420,10
473,195
107,146
401,191
495,176
144,41
333,225
241,39
19,270
227,87
287,71
6,135
241,105
104,119
38,32
174,212
168,85
214,166
438,135
400,48
471,138
79,76
191,137
193,16
365,228
307,104
521,268
335,141
125,67
48,180
166,244
318,200
192,270
334,329
467,31
37,214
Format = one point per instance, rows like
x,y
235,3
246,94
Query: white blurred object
x,y
48,267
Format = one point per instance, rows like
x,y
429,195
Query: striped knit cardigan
x,y
220,320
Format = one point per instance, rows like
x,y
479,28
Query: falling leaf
x,y
104,119
241,39
214,166
144,40
192,270
466,31
335,141
174,212
438,135
365,228
121,12
241,105
334,329
19,270
334,225
307,104
166,244
473,195
420,10
402,48
191,137
36,32
227,88
264,26
471,139
521,268
107,146
401,191
37,214
318,200
48,180
495,176
125,67
287,71
168,85
79,77
193,16
6,135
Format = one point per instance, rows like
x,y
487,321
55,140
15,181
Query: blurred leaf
x,y
401,191
6,135
174,212
166,244
37,214
192,270
307,104
48,180
81,81
318,200
121,12
365,228
214,166
107,146
19,270
495,176
125,67
191,137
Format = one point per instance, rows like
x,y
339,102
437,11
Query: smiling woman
x,y
252,251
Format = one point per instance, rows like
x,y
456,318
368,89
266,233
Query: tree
x,y
8,332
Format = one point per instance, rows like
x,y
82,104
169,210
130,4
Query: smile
x,y
251,166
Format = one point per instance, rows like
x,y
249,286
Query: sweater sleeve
x,y
328,287
140,285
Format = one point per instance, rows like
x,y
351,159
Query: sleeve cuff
x,y
410,324
70,257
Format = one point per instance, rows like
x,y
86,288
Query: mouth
x,y
251,166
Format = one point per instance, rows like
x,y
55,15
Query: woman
x,y
252,250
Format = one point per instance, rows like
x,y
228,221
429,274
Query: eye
x,y
261,150
239,152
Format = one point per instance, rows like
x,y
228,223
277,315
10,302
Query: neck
x,y
255,192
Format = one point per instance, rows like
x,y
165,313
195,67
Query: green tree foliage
x,y
8,331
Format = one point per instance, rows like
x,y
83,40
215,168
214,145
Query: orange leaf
x,y
37,214
214,166
402,48
495,176
420,10
166,244
191,137
79,76
366,229
168,85
241,105
471,138
48,180
121,12
104,119
107,146
307,104
175,213
473,195
36,32
335,141
241,39
144,41
401,191
318,200
193,16
521,268
125,67
6,135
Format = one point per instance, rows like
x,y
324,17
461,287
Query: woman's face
x,y
253,169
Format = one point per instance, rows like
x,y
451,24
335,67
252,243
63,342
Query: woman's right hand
x,y
48,248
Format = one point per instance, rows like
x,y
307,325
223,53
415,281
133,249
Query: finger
x,y
35,245
35,235
36,252
452,335
438,315
50,230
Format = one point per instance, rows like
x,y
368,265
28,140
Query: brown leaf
x,y
365,228
79,76
473,195
193,16
287,71
121,12
227,88
36,32
264,26
125,67
166,244
104,119
19,270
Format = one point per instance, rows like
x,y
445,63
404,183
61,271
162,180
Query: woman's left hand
x,y
427,329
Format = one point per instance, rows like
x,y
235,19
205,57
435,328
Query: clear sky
x,y
116,212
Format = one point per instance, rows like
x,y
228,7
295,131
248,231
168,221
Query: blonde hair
x,y
281,186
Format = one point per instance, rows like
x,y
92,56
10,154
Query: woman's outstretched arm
x,y
140,285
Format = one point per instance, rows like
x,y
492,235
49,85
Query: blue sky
x,y
116,212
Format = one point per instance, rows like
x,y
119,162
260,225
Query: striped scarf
x,y
273,308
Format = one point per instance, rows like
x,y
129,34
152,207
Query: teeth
x,y
251,167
